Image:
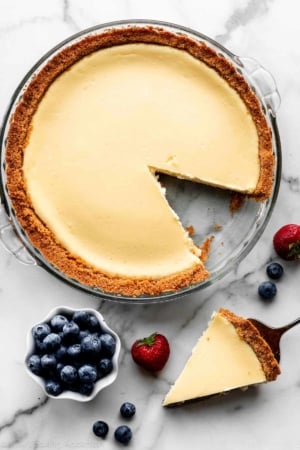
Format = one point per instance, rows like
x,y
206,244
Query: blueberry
x,y
40,347
86,388
58,322
34,364
69,374
91,345
100,428
40,331
81,318
61,354
53,387
59,367
267,290
52,342
48,362
275,271
83,334
105,366
74,386
127,410
123,434
70,331
87,373
108,344
93,324
74,352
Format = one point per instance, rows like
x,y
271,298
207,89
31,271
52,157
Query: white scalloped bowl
x,y
102,383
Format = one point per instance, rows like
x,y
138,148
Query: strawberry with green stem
x,y
287,242
151,353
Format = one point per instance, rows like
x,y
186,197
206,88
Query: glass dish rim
x,y
143,299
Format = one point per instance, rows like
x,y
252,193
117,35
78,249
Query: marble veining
x,y
264,418
293,183
22,412
241,16
67,17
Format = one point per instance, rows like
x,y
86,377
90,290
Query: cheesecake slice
x,y
231,354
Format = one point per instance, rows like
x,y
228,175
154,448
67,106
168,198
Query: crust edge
x,y
250,334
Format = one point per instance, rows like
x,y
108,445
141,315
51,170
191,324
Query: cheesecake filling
x,y
101,131
220,361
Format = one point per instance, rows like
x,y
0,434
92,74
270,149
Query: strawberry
x,y
151,352
287,242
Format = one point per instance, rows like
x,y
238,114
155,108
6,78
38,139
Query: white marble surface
x,y
266,418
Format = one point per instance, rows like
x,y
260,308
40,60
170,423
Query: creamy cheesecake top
x,y
102,130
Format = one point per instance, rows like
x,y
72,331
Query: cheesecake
x,y
231,354
95,127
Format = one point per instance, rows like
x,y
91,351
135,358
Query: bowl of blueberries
x,y
72,353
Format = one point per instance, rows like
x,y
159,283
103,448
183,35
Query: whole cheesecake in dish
x,y
231,354
95,126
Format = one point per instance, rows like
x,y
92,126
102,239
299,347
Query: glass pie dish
x,y
234,235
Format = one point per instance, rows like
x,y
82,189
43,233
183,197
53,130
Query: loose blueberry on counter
x,y
69,374
87,373
40,331
52,342
275,271
127,410
108,344
123,434
100,428
267,290
34,364
53,387
57,322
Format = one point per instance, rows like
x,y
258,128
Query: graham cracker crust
x,y
249,333
19,132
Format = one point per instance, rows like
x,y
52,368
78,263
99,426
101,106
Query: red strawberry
x,y
287,242
151,352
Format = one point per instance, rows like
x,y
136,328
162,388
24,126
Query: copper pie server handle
x,y
273,335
